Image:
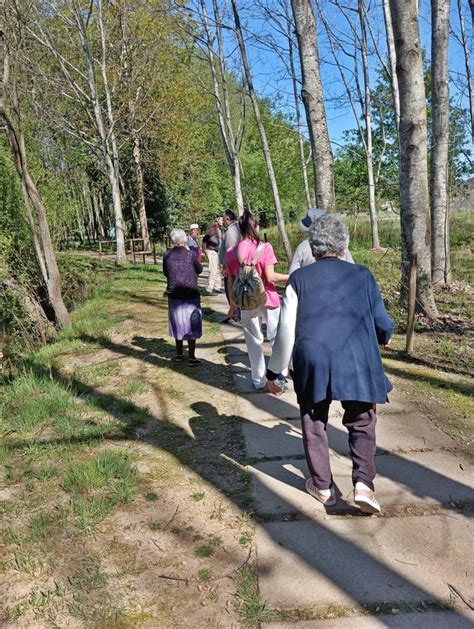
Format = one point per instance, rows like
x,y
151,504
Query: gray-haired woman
x,y
181,268
331,324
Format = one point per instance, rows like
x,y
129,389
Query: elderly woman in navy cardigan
x,y
331,324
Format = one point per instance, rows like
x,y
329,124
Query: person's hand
x,y
232,312
387,343
272,387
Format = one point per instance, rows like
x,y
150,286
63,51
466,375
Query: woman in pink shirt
x,y
270,312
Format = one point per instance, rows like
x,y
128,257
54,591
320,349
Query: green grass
x,y
110,469
249,604
205,550
205,574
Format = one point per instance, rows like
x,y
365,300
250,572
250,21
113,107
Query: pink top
x,y
246,250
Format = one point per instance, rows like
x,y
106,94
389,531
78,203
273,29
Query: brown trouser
x,y
359,419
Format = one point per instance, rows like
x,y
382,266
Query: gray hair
x,y
178,238
328,235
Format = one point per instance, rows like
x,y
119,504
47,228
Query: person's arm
x,y
222,252
165,265
197,265
272,276
384,324
230,282
285,338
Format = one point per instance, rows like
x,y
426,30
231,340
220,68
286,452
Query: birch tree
x,y
439,196
367,114
11,120
467,60
263,136
216,59
392,59
83,88
313,99
414,198
362,97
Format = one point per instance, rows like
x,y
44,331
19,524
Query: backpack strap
x,y
238,256
257,253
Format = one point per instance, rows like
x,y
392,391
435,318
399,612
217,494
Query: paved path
x,y
315,563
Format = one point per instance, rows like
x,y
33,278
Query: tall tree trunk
x,y
108,152
392,58
439,196
294,82
140,193
263,136
367,109
312,93
222,100
467,62
42,238
234,138
414,200
98,217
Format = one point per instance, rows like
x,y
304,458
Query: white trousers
x,y
251,320
215,277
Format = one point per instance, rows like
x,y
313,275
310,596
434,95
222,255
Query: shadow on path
x,y
210,453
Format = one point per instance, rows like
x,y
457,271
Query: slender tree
x,y
12,125
263,136
439,196
81,87
312,94
414,198
367,114
467,61
392,58
230,138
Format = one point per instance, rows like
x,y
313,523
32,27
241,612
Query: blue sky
x,y
271,77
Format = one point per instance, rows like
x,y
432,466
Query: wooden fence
x,y
135,247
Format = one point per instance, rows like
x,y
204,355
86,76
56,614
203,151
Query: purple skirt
x,y
185,319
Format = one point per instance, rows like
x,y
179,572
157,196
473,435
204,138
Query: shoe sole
x,y
367,507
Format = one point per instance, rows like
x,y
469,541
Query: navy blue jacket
x,y
341,321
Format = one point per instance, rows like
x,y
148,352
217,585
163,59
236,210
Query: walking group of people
x,y
325,332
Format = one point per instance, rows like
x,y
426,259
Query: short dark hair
x,y
248,226
230,214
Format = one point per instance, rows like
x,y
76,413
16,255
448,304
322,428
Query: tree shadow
x,y
211,449
440,383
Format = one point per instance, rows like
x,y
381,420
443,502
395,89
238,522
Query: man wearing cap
x,y
303,255
191,239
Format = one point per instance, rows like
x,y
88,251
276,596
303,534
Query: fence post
x,y
154,252
132,250
100,250
411,305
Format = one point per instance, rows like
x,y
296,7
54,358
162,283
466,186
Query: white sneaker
x,y
326,496
365,499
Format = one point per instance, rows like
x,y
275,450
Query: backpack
x,y
248,291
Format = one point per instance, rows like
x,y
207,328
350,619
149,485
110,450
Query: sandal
x,y
365,499
194,362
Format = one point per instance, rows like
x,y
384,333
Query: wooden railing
x,y
132,248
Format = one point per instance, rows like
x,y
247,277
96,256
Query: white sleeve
x,y
285,338
349,257
296,260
